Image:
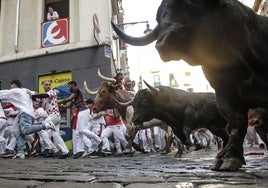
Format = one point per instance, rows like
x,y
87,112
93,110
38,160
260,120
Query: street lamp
x,y
146,31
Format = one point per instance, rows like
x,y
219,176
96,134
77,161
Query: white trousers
x,y
3,124
83,132
57,139
10,136
45,141
145,137
2,145
119,137
159,138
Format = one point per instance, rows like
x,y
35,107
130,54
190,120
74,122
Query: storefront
x,y
82,63
79,65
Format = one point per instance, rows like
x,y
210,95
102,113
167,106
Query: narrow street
x,y
142,171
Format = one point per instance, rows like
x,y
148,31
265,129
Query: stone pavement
x,y
142,171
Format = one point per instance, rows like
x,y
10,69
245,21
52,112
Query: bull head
x,y
178,24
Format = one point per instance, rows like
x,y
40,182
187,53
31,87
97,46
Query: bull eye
x,y
143,102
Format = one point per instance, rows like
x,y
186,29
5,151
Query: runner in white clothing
x,y
52,109
21,99
3,123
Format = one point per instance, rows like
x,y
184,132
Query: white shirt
x,y
52,17
2,113
20,98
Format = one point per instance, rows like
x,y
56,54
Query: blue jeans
x,y
26,127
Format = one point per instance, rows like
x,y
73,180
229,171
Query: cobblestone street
x,y
143,170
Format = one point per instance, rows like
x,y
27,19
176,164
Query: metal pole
x,y
17,26
131,23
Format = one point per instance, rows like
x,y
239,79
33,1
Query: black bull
x,y
230,42
181,110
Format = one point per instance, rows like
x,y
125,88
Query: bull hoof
x,y
231,164
216,165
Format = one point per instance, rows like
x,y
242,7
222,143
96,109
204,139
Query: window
x,y
157,81
172,80
187,74
61,6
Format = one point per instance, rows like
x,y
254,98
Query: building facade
x,y
79,42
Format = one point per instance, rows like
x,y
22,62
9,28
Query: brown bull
x,y
109,95
106,95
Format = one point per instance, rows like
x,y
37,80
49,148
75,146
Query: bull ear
x,y
151,88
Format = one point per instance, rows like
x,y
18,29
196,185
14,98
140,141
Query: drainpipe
x,y
17,26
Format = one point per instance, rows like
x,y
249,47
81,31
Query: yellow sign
x,y
56,80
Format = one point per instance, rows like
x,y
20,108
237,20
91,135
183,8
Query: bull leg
x,y
132,134
170,138
231,157
135,129
262,134
180,150
169,141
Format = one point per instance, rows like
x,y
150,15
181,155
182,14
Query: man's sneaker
x,y
119,154
63,156
50,125
79,155
126,151
47,153
85,154
106,151
9,153
19,156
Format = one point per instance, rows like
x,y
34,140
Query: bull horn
x,y
128,103
137,41
151,88
88,91
105,78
